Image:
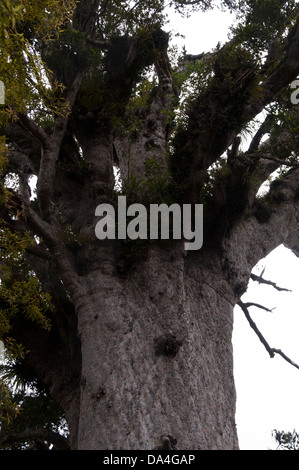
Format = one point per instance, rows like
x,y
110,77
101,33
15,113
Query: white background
x,y
267,389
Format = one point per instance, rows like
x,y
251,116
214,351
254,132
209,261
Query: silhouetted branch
x,y
253,304
39,434
271,351
261,280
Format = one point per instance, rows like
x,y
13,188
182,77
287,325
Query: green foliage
x,y
28,298
194,78
12,247
218,174
284,116
214,97
187,7
137,107
23,24
286,440
9,409
225,88
21,410
25,404
69,54
156,187
20,290
263,21
153,188
117,18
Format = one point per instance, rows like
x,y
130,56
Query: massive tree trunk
x,y
157,358
145,360
140,355
157,362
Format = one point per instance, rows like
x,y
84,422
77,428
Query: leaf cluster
x,y
153,188
262,22
9,409
69,53
286,440
121,17
24,25
20,290
22,410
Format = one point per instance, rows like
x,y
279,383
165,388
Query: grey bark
x,y
140,353
147,353
157,357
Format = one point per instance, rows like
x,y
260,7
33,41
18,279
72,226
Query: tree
x,y
30,419
132,337
286,440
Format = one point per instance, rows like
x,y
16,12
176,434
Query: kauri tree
x,y
132,338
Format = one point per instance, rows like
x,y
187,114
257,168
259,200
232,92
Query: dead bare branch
x,y
261,280
262,307
271,351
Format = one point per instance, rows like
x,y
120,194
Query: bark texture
x,y
157,357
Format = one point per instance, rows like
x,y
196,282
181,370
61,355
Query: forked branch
x,y
271,351
261,280
51,151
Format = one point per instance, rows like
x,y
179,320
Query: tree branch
x,y
271,351
156,126
282,162
263,129
205,140
261,280
38,252
249,170
51,152
97,43
85,14
27,148
50,233
23,211
57,440
271,222
36,131
285,72
262,307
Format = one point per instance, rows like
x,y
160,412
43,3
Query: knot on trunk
x,y
167,443
167,346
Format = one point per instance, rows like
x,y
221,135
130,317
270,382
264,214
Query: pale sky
x,y
267,389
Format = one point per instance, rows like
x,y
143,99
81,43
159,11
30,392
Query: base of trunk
x,y
157,361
